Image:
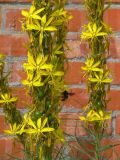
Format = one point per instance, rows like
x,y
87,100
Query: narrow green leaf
x,y
50,28
47,130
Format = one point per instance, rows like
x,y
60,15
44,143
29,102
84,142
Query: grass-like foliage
x,y
97,74
7,102
96,33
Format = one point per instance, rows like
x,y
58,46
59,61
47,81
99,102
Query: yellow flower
x,y
92,31
13,129
33,13
2,57
93,115
90,65
39,128
101,78
7,99
39,64
33,80
35,69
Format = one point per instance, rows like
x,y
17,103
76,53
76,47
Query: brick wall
x,y
12,43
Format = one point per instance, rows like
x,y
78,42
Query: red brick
x,y
78,99
23,97
17,72
13,45
114,50
114,97
74,73
114,152
108,127
3,124
81,49
79,149
78,20
69,116
75,148
112,17
71,124
13,19
115,72
73,69
10,147
108,153
73,36
117,124
116,148
76,48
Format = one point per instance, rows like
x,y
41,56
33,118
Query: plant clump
x,y
98,77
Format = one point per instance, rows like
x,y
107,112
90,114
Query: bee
x,y
66,94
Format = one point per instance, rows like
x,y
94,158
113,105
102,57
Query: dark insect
x,y
66,94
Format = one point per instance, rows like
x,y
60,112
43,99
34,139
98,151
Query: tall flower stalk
x,y
45,24
7,102
96,33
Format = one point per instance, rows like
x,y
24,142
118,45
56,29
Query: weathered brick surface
x,y
10,147
77,49
117,126
71,124
23,97
13,19
4,125
12,44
